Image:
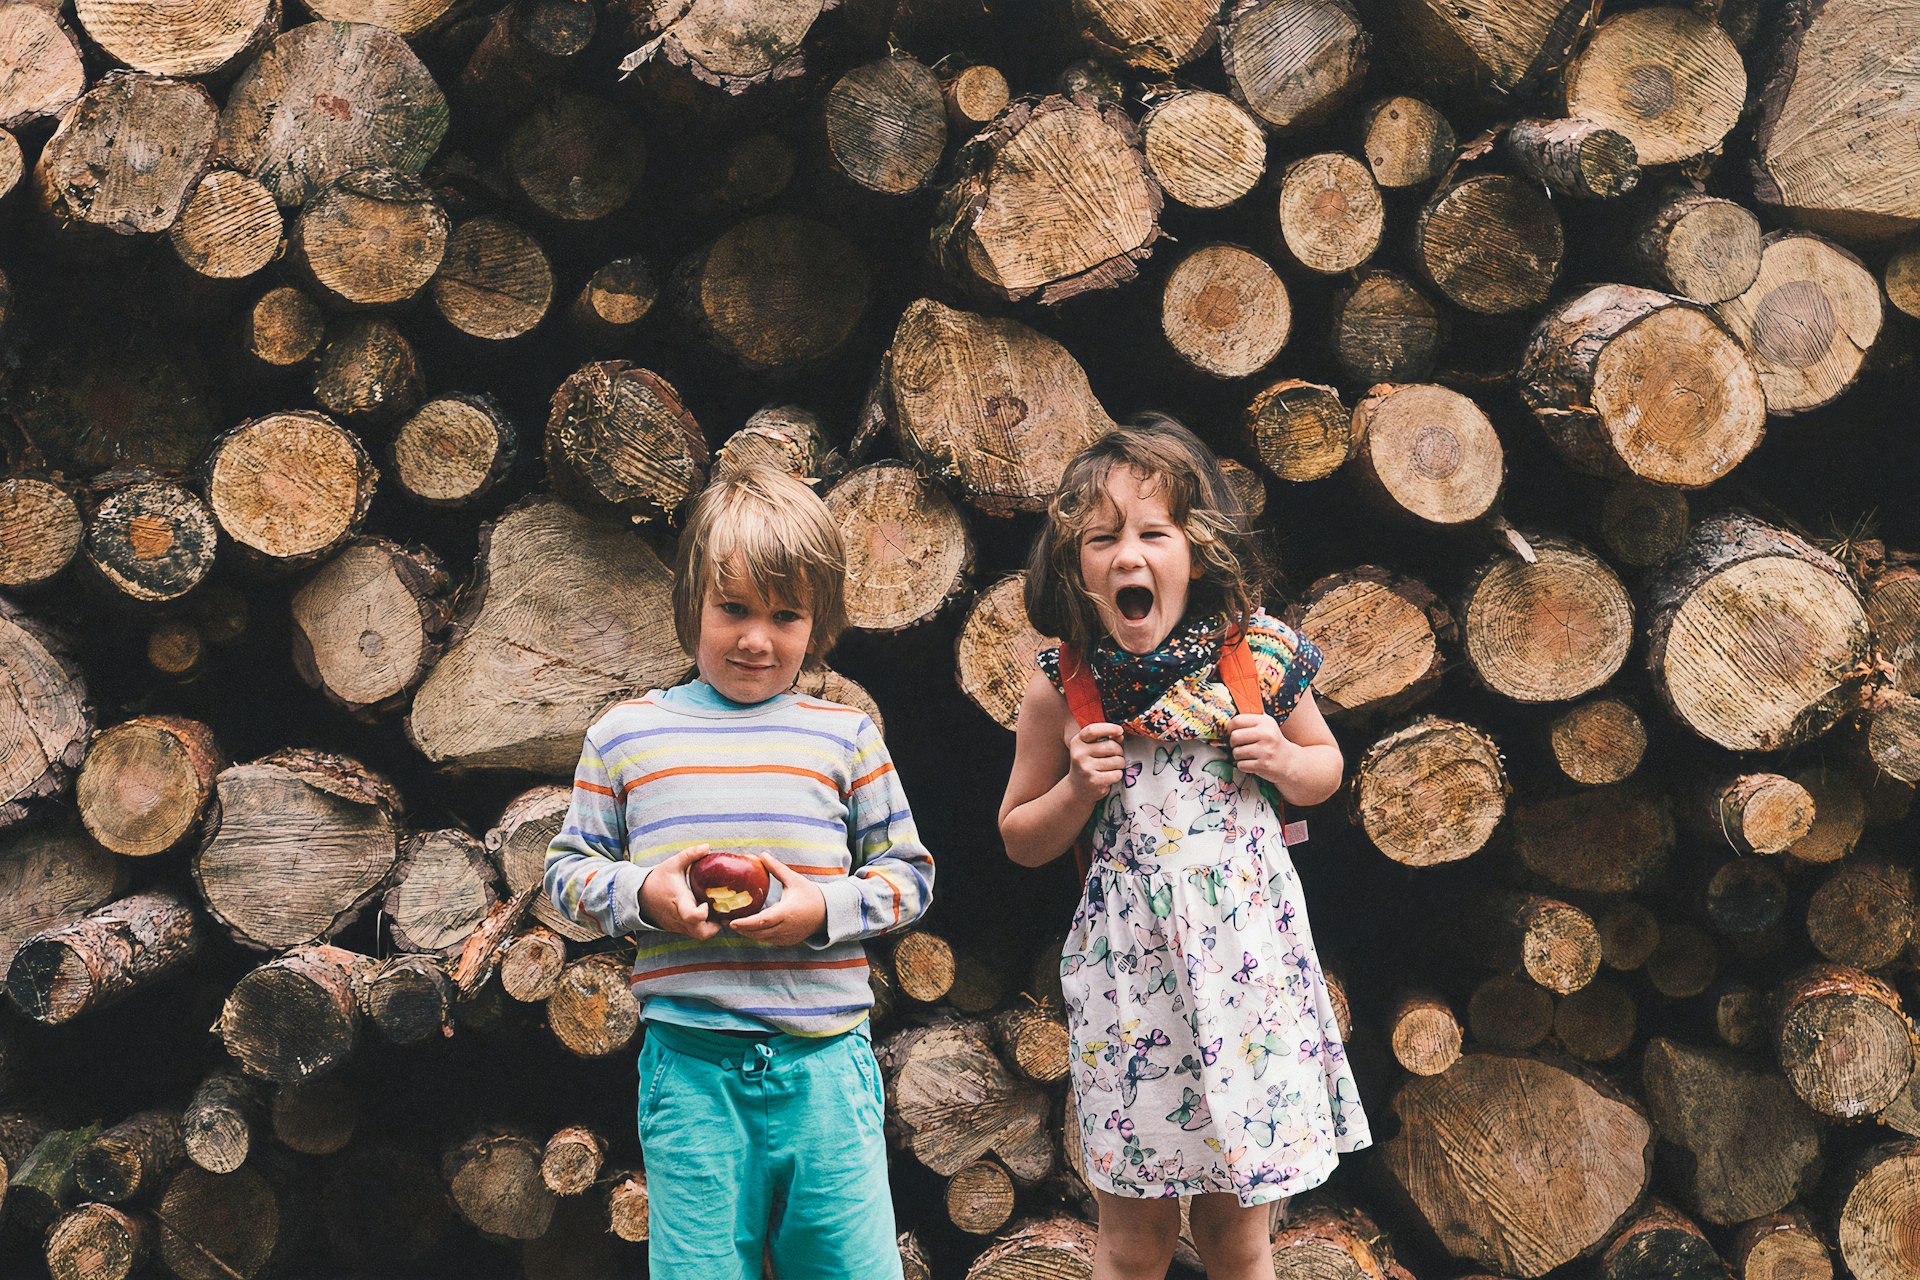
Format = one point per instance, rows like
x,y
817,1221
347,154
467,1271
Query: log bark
x,y
1405,141
409,999
289,488
453,450
1842,1039
1740,585
525,673
886,125
217,1127
97,1242
1380,637
1205,150
41,1187
1327,1241
1546,630
1697,246
1032,1035
527,47
1482,48
1839,816
989,404
316,1117
1630,382
441,888
992,235
1749,1147
366,625
908,550
593,1013
1385,330
1152,37
295,846
1759,812
1832,78
1668,78
1518,1164
297,1017
1299,430
103,957
372,238
619,438
495,281
130,1159
787,437
40,530
1575,158
1808,319
627,1207
574,158
1599,741
231,227
494,1178
1293,63
1331,213
1660,1242
1225,311
1875,1242
1431,792
1490,244
87,176
328,98
950,1100
1427,452
221,1226
44,73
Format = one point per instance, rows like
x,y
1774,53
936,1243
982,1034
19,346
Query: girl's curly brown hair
x,y
1159,450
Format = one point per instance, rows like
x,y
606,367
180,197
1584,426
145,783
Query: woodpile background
x,y
355,356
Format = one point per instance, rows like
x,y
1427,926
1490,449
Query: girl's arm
x,y
1300,756
1060,771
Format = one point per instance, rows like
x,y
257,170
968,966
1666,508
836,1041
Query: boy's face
x,y
750,648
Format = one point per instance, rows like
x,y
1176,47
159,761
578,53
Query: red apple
x,y
731,884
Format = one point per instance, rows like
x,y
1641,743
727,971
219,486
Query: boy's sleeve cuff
x,y
624,907
843,913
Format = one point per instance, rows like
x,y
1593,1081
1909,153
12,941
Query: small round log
x,y
453,450
627,1207
221,1226
1643,524
619,437
1032,1035
1331,214
151,540
1406,142
1760,812
1225,311
373,238
97,1242
575,158
230,228
146,781
1554,943
1745,898
994,655
284,328
980,1198
1490,244
973,96
886,125
572,1160
289,488
1547,630
1685,963
1697,246
367,372
127,156
1863,915
1629,934
1424,1033
1431,792
1508,1012
297,1017
1808,319
1599,741
531,964
615,299
316,1117
494,1179
786,437
217,1126
409,999
923,966
131,1158
1205,149
1379,635
592,1011
1384,330
1660,1242
1668,78
1597,1022
494,282
441,888
1842,1039
366,624
775,292
1780,1246
1293,63
1427,452
908,550
1740,1017
1299,430
1839,816
40,530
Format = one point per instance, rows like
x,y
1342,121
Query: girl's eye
x,y
786,615
733,608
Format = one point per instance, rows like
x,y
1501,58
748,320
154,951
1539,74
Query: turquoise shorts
x,y
772,1146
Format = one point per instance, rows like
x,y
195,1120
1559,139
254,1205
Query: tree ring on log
x,y
1551,630
1844,1042
1431,451
908,550
994,656
1809,318
1205,149
1225,311
1668,78
1430,793
1300,430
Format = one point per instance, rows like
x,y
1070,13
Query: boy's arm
x,y
588,877
891,883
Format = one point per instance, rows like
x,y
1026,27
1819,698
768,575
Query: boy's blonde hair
x,y
773,529
1160,450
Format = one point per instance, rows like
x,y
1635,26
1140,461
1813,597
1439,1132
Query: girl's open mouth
x,y
1134,603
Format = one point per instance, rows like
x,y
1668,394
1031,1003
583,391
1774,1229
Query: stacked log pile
x,y
356,360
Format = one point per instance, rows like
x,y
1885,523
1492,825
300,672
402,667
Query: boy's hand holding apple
x,y
798,914
668,900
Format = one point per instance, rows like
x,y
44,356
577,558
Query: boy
x,y
760,1107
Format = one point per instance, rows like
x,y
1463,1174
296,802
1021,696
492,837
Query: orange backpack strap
x,y
1242,679
1083,704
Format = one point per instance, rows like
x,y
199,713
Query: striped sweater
x,y
804,779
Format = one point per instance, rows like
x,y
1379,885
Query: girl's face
x,y
1136,563
750,648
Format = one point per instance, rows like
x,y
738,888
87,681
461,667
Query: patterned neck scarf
x,y
1129,683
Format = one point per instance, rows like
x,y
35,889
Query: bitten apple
x,y
733,885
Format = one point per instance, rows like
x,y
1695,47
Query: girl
x,y
1205,1059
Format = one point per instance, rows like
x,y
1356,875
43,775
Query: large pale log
x,y
441,888
564,615
1875,1230
1225,311
1659,1242
289,488
994,655
371,238
1752,1146
131,1158
1606,839
1518,1164
1489,243
1293,62
1667,78
1299,429
366,624
775,292
1406,142
453,450
88,175
1544,630
495,281
1808,319
230,228
886,125
908,550
1152,35
1042,1249
40,529
40,68
1379,635
1831,149
103,957
620,438
1844,1042
1598,741
327,98
1205,149
494,1179
221,1226
950,1100
1626,381
297,1017
987,403
1431,792
731,46
1490,48
1741,588
408,17
295,846
1428,452
1697,246
995,232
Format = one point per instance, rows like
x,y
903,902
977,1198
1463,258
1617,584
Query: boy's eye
x,y
733,608
786,615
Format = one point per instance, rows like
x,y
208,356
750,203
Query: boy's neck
x,y
703,691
